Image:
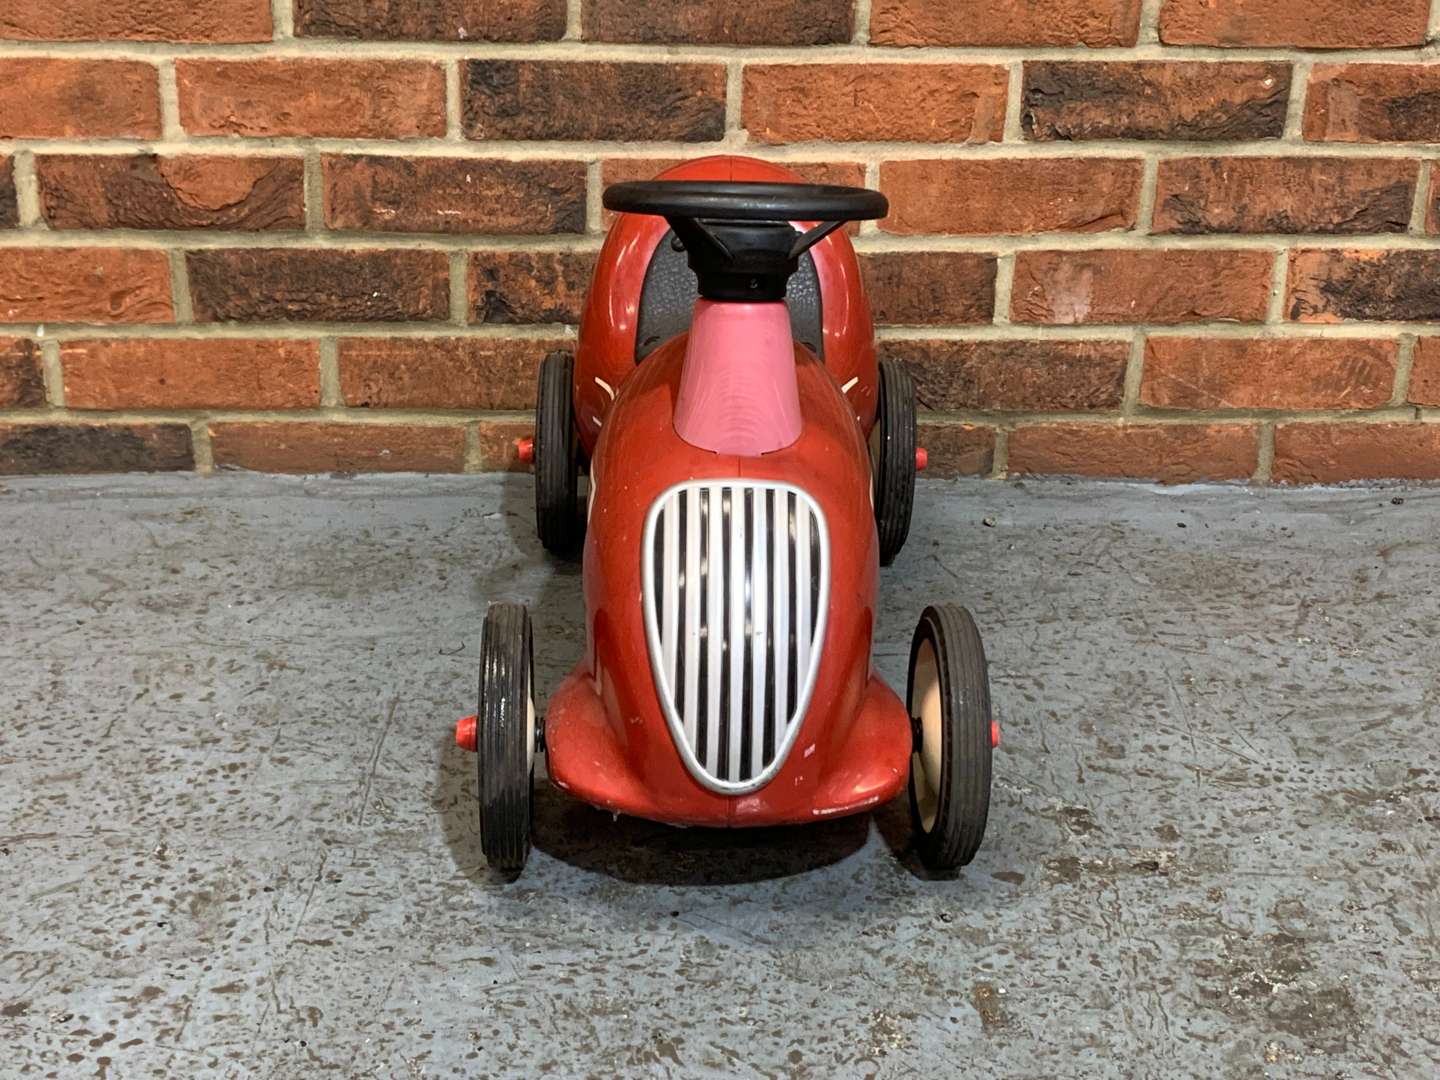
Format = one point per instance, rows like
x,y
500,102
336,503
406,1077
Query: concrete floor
x,y
237,840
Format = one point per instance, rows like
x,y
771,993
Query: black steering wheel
x,y
738,235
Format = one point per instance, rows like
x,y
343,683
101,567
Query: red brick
x,y
719,22
1011,197
109,191
432,20
78,98
454,195
324,285
84,285
1169,453
1267,373
442,373
1149,99
948,103
1285,195
1373,103
337,447
957,449
929,288
22,382
587,100
1334,453
1372,286
1319,24
374,99
1009,376
1075,287
1425,373
174,373
847,173
529,286
498,452
1094,23
9,204
135,20
33,449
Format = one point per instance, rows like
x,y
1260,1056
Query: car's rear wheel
x,y
559,516
505,736
892,457
954,737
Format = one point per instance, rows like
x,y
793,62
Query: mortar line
x,y
459,288
170,125
860,24
1279,281
180,287
1149,22
1015,105
330,393
734,88
1295,107
574,16
454,103
282,15
201,448
872,181
1149,190
52,372
314,193
1404,365
1265,458
594,191
27,190
1004,288
1000,464
1419,215
1134,374
473,463
1434,33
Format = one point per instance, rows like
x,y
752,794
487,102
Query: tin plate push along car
x,y
746,467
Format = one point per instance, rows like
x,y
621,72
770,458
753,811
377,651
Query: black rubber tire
x,y
965,756
559,517
892,450
503,737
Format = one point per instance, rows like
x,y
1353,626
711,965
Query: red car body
x,y
608,741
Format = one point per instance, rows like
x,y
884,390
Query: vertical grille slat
x,y
736,582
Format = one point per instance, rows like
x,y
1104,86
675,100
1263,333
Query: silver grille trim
x,y
736,586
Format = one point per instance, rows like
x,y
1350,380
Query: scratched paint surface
x,y
235,839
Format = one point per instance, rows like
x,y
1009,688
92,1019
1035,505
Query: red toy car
x,y
749,468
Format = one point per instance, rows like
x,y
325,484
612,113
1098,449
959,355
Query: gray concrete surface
x,y
237,840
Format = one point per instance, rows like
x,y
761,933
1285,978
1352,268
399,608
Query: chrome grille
x,y
736,585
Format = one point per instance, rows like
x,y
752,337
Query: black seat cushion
x,y
668,297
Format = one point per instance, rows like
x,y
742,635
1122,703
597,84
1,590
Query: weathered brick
x,y
32,449
9,204
1319,24
136,20
454,195
1149,99
1267,373
948,103
618,170
957,449
442,373
1008,376
1073,287
1333,453
1285,195
498,452
1373,103
204,373
1379,286
144,191
529,286
84,285
580,100
929,288
432,20
78,98
1011,197
1425,372
719,22
327,285
22,383
312,447
1094,23
375,99
1169,453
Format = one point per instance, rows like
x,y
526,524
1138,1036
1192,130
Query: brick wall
x,y
1177,239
